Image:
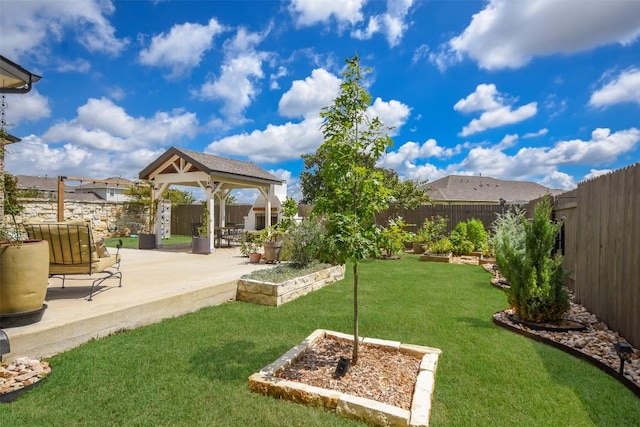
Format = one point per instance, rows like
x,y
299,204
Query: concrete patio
x,y
156,285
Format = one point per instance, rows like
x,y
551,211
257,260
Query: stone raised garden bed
x,y
275,294
269,383
436,257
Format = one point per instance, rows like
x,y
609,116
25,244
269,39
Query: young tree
x,y
524,256
353,191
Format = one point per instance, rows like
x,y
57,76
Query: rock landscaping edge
x,y
276,294
361,409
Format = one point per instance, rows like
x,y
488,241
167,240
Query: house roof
x,y
210,164
14,78
42,183
463,188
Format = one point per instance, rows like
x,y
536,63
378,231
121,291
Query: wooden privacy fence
x,y
183,216
602,247
456,213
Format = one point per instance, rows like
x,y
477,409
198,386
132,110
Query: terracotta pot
x,y
255,257
24,276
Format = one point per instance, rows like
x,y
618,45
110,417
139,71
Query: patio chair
x,y
74,252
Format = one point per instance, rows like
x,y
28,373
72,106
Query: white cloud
x,y
310,12
425,172
487,99
405,160
391,23
603,147
104,126
34,156
500,117
508,34
26,108
182,48
594,173
624,88
274,77
392,114
76,66
237,84
30,26
541,132
559,180
421,52
274,144
306,97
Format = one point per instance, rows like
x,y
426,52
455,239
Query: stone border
x,y
276,294
361,409
436,258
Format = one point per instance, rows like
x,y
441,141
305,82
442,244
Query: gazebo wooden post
x,y
61,198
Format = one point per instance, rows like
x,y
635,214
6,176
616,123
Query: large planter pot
x,y
24,275
147,241
418,248
272,251
201,245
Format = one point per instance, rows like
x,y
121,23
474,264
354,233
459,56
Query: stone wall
x,y
108,218
275,294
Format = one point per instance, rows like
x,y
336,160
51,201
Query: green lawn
x,y
132,242
192,370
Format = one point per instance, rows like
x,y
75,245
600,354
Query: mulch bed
x,y
381,375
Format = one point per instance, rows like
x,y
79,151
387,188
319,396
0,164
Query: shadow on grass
x,y
476,323
578,379
232,360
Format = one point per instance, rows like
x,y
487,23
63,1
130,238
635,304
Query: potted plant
x,y
143,208
250,246
272,237
24,267
201,242
272,243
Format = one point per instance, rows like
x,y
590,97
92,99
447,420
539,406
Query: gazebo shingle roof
x,y
210,163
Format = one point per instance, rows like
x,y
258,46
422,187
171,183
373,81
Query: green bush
x,y
477,234
432,230
508,242
523,254
461,245
393,237
302,243
442,246
469,236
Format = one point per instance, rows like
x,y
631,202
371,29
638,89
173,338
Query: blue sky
x,y
540,90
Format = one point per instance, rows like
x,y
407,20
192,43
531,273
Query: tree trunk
x,y
356,335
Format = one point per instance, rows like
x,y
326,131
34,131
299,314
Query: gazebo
x,y
215,175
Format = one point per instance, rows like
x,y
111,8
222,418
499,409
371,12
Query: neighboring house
x,y
463,189
48,188
45,186
109,192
